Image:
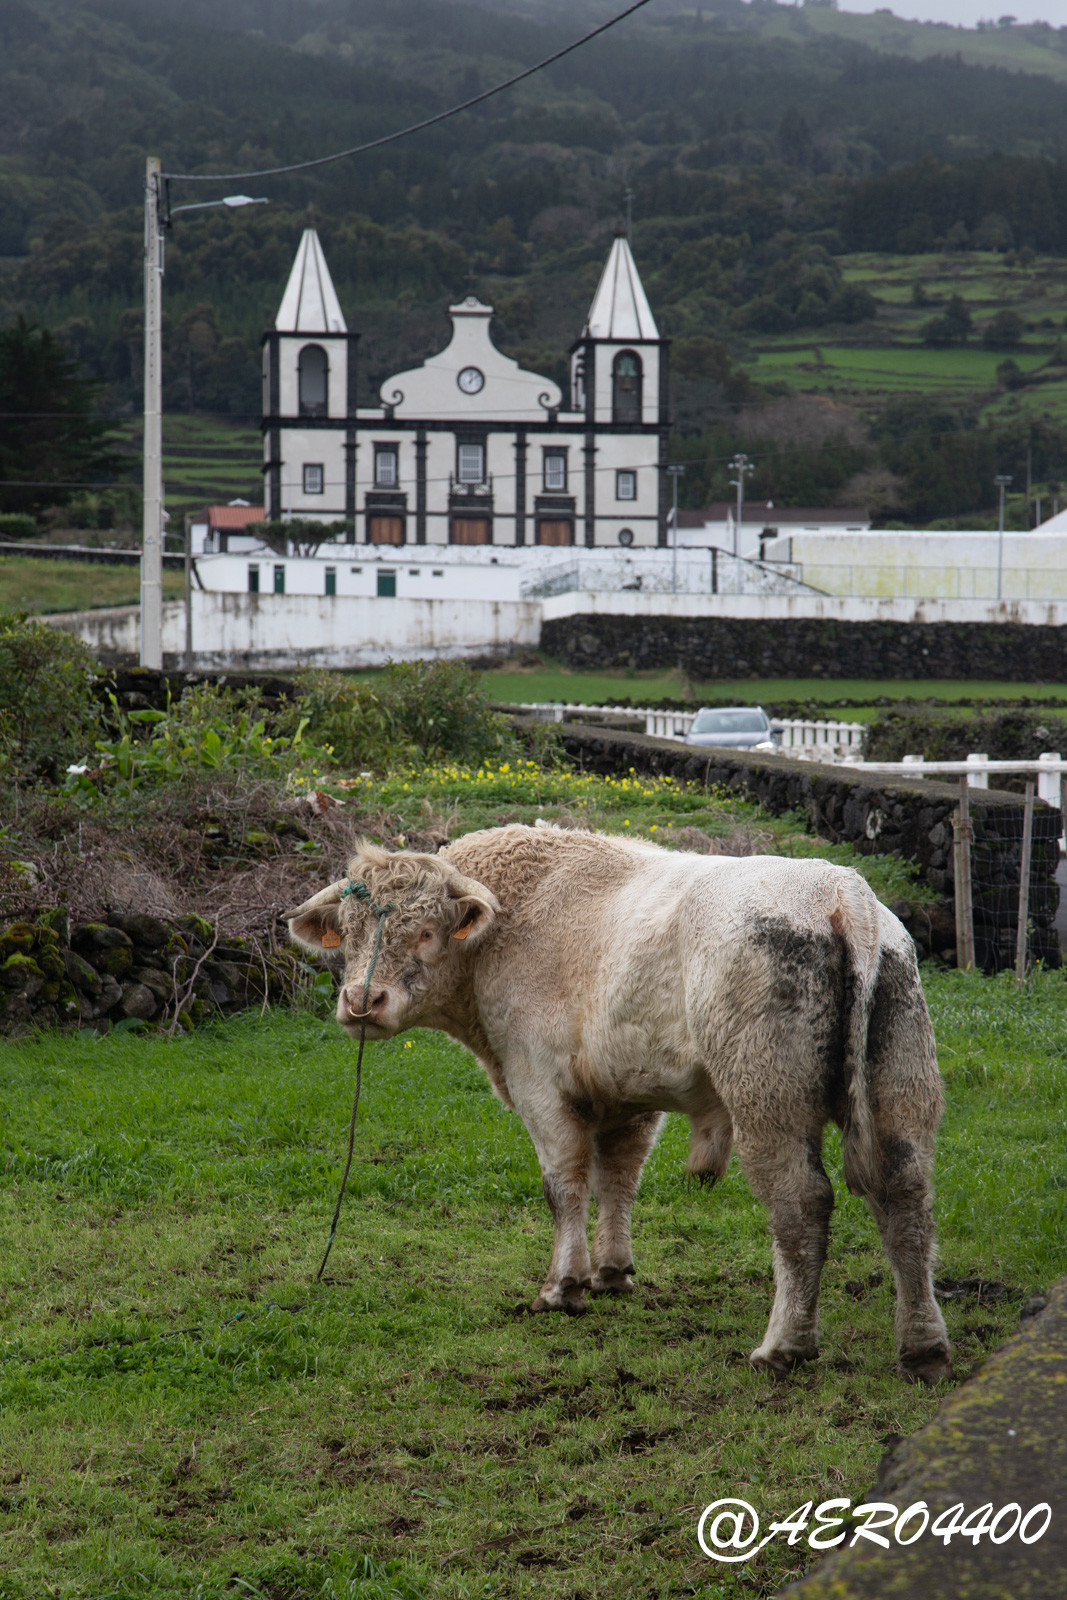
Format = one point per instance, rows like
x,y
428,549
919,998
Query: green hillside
x,y
810,191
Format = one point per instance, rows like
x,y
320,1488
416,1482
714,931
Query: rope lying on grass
x,y
361,892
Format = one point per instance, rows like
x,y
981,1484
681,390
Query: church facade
x,y
469,448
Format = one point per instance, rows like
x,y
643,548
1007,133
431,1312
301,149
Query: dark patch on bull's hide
x,y
895,1155
811,979
583,1108
555,1195
896,1008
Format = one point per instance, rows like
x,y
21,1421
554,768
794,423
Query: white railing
x,y
663,571
1049,768
800,737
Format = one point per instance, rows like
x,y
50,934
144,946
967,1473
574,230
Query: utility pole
x,y
676,473
152,532
155,221
741,465
1001,480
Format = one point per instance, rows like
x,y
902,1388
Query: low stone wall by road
x,y
710,647
885,816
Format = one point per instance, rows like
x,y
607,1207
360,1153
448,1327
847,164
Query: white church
x,y
469,448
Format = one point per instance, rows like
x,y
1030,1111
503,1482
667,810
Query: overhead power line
x,y
415,127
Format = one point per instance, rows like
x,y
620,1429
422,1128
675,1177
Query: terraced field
x,y
879,359
207,461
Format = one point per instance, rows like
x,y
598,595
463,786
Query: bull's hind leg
x,y
620,1154
906,1104
786,1172
902,1207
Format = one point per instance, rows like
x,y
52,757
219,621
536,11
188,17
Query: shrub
x,y
210,729
1004,332
48,708
17,525
415,710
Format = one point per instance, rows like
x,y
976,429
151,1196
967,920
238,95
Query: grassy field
x,y
30,584
555,682
187,1413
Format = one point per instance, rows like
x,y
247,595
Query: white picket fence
x,y
820,739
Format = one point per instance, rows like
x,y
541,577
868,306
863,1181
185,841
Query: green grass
x,y
555,682
29,583
186,1412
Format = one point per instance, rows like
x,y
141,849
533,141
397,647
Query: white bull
x,y
602,982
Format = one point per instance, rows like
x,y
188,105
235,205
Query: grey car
x,y
733,728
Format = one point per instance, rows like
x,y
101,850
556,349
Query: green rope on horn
x,y
361,892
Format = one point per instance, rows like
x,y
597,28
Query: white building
x,y
469,448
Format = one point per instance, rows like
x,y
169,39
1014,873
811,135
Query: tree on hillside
x,y
51,444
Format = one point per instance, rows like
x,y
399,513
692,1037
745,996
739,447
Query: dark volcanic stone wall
x,y
878,816
802,647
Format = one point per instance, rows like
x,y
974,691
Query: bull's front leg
x,y
620,1156
565,1151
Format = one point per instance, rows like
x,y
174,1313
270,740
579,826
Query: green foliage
x,y
210,729
48,708
17,525
1004,331
298,537
412,710
50,439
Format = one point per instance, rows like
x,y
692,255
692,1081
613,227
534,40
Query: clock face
x,y
471,380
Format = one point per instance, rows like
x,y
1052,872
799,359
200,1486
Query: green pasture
x,y
187,1413
897,367
29,583
555,682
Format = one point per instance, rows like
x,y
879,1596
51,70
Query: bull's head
x,y
439,916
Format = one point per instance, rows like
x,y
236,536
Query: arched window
x,y
626,387
313,369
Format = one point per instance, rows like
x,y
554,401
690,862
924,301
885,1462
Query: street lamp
x,y
675,473
1001,480
155,222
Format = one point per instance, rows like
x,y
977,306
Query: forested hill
x,y
761,143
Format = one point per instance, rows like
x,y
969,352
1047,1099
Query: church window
x,y
313,478
385,466
626,387
313,370
556,470
472,463
626,485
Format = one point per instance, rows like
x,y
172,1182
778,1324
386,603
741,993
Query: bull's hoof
x,y
780,1361
612,1280
566,1297
925,1366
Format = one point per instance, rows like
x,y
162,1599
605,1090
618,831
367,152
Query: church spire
x,y
310,303
620,309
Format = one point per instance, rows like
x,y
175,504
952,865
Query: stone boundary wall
x,y
809,647
878,816
131,968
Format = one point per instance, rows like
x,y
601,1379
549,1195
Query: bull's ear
x,y
317,923
474,909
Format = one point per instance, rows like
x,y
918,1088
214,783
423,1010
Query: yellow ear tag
x,y
331,939
461,933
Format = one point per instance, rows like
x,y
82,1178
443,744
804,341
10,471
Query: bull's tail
x,y
855,919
